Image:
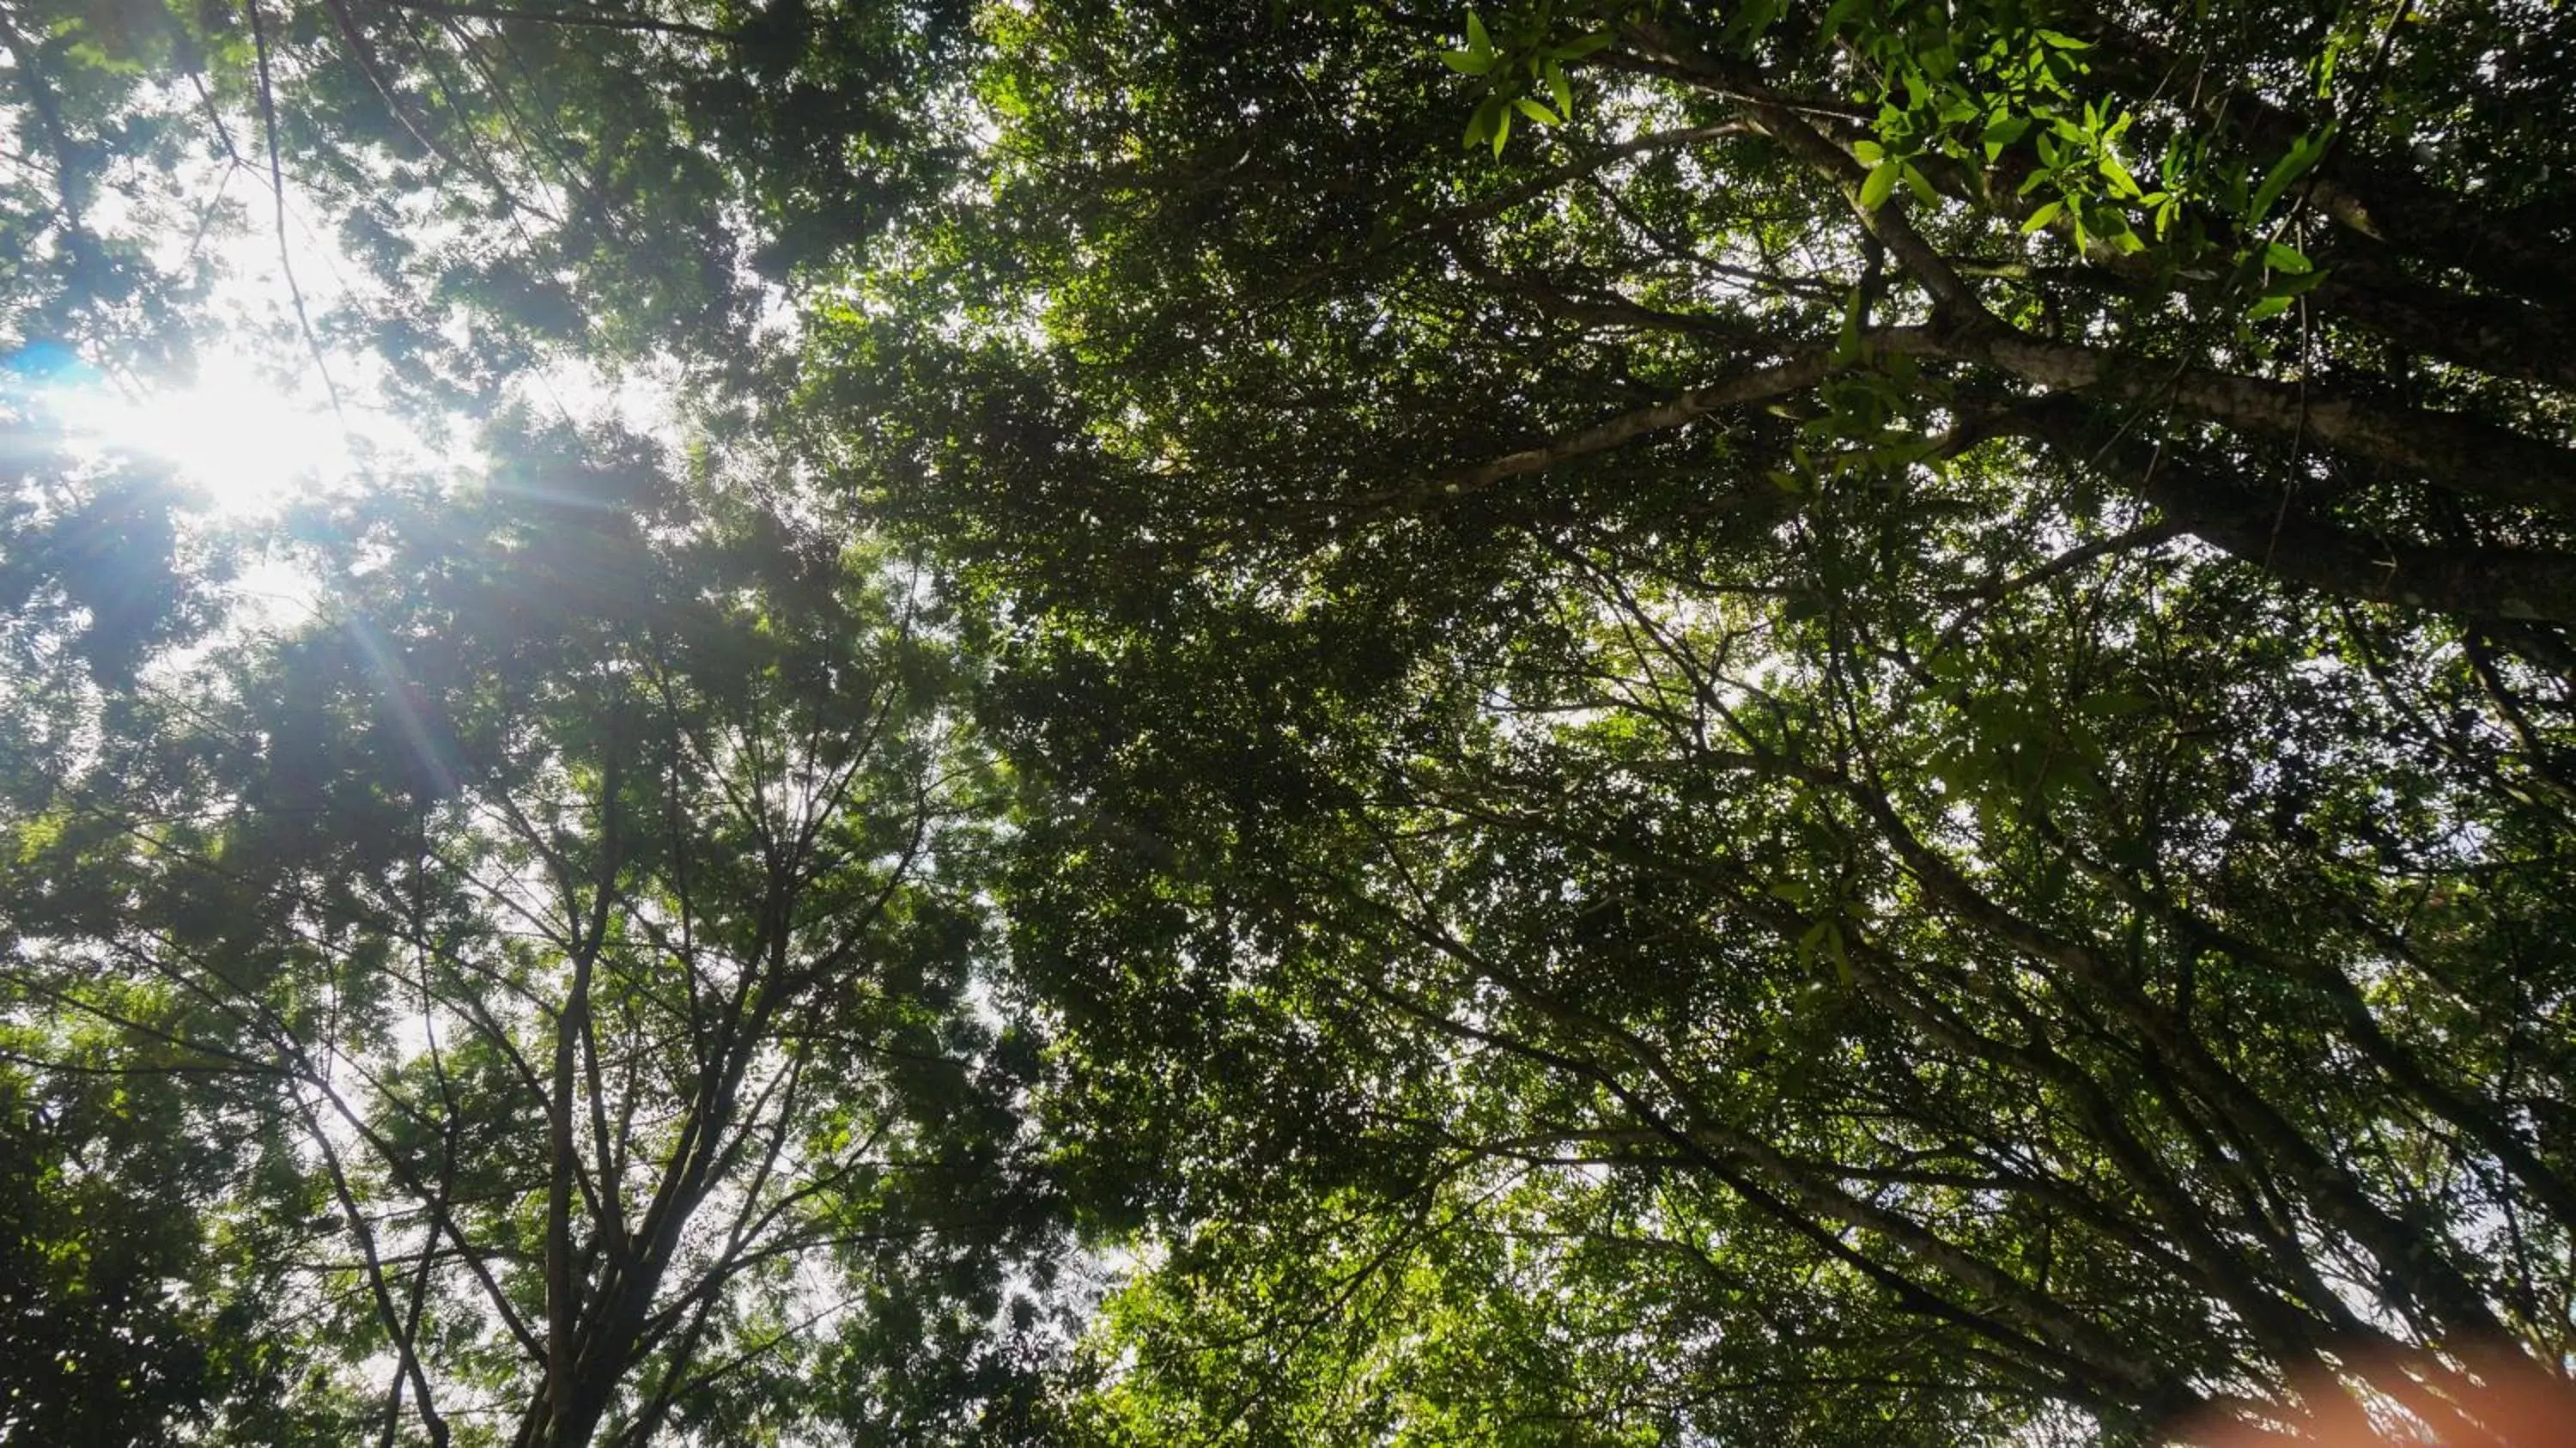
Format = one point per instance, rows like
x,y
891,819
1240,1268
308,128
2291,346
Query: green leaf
x,y
2304,153
2286,259
1880,184
2002,131
2042,217
1869,152
2267,307
1560,88
2281,284
1477,40
1582,45
2294,284
1534,110
1920,185
2122,183
1467,62
1481,124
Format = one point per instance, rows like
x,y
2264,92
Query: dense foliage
x,y
572,938
1862,732
1867,743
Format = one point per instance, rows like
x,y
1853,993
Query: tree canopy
x,y
1861,731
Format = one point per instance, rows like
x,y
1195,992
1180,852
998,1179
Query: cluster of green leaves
x,y
96,573
95,243
1531,56
1957,88
542,996
111,1329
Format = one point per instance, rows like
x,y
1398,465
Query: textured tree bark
x,y
2459,453
2281,537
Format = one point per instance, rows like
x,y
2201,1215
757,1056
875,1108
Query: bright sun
x,y
232,435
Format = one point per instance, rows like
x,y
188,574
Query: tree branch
x,y
2469,583
581,19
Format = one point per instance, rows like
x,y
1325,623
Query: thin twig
x,y
277,189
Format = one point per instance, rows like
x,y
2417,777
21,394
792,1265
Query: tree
x,y
556,976
435,211
1876,737
572,946
99,1184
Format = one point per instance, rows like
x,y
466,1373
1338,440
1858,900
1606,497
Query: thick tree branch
x,y
2500,335
2453,451
2286,541
1805,368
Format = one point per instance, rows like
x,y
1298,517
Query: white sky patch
x,y
239,437
643,397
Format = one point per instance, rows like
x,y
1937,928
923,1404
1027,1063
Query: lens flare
x,y
240,440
